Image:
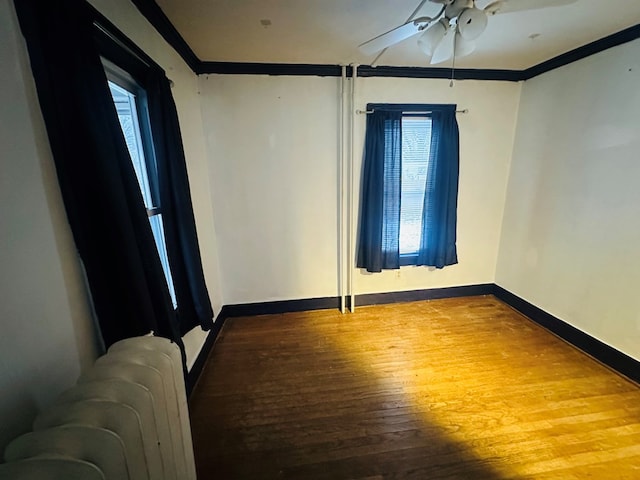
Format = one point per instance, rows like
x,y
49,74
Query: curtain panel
x,y
102,198
438,238
378,243
194,304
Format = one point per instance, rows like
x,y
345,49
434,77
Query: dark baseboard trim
x,y
326,303
281,306
429,294
602,352
201,359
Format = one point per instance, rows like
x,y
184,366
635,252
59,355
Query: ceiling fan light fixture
x,y
444,50
462,18
471,23
431,38
463,47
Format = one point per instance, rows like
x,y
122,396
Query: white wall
x,y
571,232
273,145
47,335
486,142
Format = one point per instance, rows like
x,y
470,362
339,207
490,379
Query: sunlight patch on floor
x,y
455,378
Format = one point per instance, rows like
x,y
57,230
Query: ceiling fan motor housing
x,y
457,7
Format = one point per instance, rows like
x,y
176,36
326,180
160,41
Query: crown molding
x,y
243,68
624,36
154,14
157,18
238,68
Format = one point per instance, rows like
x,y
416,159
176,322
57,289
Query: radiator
x,y
125,419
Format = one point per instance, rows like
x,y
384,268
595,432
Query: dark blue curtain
x,y
194,305
438,239
101,194
378,241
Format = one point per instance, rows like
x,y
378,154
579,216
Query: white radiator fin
x,y
119,418
50,469
162,364
98,446
161,346
127,418
149,379
135,396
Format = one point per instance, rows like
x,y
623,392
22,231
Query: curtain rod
x,y
367,112
122,45
119,42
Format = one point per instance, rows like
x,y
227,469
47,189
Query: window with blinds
x,y
416,142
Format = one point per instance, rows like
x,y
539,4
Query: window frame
x,y
126,81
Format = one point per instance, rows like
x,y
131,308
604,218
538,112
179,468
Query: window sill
x,y
408,259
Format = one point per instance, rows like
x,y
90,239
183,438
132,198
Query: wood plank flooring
x,y
458,388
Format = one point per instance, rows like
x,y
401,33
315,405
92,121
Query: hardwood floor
x,y
458,388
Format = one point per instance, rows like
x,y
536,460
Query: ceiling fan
x,y
453,30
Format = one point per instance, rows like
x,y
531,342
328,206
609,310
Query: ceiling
x,y
329,31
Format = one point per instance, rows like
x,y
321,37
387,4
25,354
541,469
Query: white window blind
x,y
416,142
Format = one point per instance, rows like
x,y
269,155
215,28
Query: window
x,y
409,187
103,198
416,141
129,99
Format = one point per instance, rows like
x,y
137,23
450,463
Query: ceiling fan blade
x,y
392,37
508,6
431,38
444,51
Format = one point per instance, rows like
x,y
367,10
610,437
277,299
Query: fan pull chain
x,y
453,63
